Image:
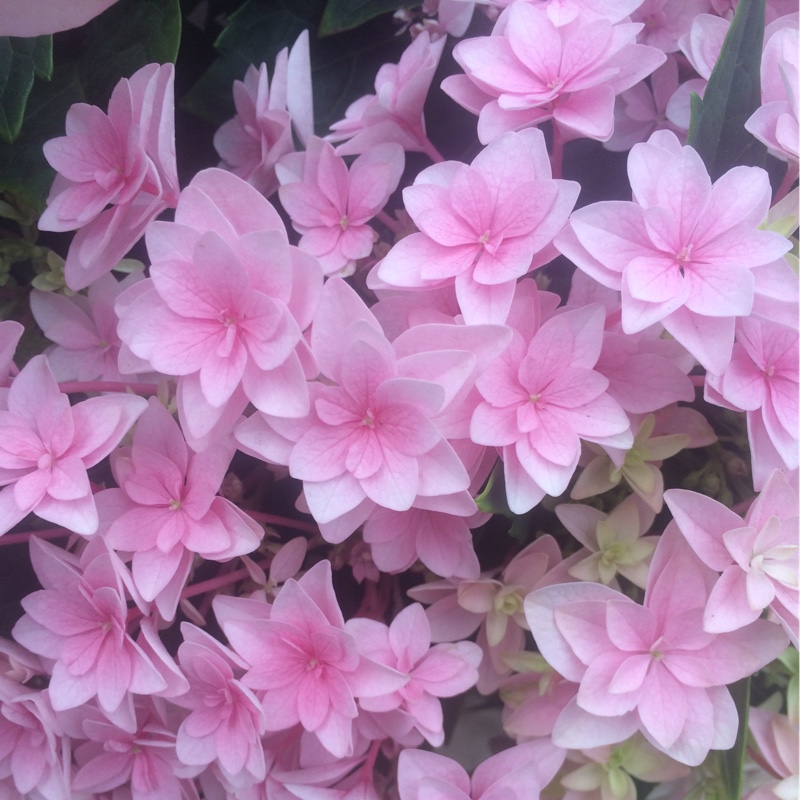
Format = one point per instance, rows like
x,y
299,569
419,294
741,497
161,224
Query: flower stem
x,y
557,154
430,151
26,536
392,224
283,522
221,580
786,184
73,387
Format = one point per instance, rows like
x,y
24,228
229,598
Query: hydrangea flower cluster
x,y
490,478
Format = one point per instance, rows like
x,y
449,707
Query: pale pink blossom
x,y
251,143
757,556
226,719
779,744
372,434
775,122
79,619
225,307
330,205
84,329
10,334
648,667
683,253
482,226
762,380
530,70
46,446
443,670
142,761
47,16
394,112
518,773
124,159
665,21
541,398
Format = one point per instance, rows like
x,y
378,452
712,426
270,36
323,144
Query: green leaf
x,y
344,15
20,60
123,39
732,761
255,34
733,93
492,500
24,172
343,67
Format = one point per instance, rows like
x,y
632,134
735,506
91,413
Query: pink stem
x,y
742,508
786,184
26,536
430,151
283,522
390,223
221,580
557,156
73,387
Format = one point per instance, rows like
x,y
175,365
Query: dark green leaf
x,y
124,38
24,172
492,500
343,67
20,60
344,15
733,93
255,34
732,761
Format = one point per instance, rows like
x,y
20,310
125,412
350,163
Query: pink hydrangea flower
x,y
482,226
518,773
775,122
79,619
330,204
444,670
394,112
226,719
540,399
167,509
46,446
304,664
531,70
757,556
648,667
225,307
125,159
84,329
251,143
683,253
762,380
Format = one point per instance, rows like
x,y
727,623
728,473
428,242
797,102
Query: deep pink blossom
x,y
226,719
305,666
166,508
125,159
46,446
